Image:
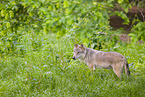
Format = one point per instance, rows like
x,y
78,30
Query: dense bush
x,y
82,17
103,41
138,32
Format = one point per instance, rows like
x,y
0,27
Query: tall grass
x,y
46,68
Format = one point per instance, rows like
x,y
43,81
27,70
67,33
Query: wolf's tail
x,y
127,69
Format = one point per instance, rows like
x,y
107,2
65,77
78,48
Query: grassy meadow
x,y
36,48
43,66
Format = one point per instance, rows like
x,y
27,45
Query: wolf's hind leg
x,y
127,70
118,69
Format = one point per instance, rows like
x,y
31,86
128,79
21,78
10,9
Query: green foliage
x,y
85,18
123,16
123,6
103,41
138,32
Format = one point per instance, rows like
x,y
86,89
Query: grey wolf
x,y
99,59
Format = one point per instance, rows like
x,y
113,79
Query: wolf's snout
x,y
73,58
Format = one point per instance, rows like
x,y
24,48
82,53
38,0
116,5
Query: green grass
x,y
45,68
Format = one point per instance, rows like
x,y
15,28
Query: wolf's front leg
x,y
92,67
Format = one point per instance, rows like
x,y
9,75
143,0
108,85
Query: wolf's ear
x,y
75,45
82,46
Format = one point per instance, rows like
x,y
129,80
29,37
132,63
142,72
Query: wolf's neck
x,y
87,50
86,54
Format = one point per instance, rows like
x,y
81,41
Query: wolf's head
x,y
79,51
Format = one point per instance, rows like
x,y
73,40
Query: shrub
x,y
138,32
